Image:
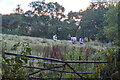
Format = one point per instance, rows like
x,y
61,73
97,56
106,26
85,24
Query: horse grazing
x,y
81,41
74,40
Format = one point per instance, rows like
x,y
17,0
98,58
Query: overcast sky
x,y
7,6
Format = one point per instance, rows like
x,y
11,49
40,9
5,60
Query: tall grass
x,y
60,49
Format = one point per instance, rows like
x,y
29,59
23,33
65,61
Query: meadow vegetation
x,y
63,50
30,33
43,47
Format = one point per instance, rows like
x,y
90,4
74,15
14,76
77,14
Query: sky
x,y
7,6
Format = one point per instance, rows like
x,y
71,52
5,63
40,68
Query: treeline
x,y
99,21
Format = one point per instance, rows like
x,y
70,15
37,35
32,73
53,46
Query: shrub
x,y
13,66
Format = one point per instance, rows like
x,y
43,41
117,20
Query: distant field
x,y
35,41
39,44
49,48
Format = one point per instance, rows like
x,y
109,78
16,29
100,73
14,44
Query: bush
x,y
12,67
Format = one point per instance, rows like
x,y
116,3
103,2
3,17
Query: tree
x,y
18,10
44,14
51,9
74,21
92,21
11,23
111,30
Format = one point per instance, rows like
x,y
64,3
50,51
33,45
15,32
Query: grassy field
x,y
60,49
45,47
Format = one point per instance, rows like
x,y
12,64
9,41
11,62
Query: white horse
x,y
74,40
55,37
81,41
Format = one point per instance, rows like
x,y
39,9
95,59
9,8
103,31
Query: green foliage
x,y
63,51
12,67
45,20
43,25
93,21
105,54
15,46
112,57
111,30
98,21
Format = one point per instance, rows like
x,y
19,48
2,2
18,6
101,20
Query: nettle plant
x,y
112,56
12,65
107,70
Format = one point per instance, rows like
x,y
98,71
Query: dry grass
x,y
60,49
48,47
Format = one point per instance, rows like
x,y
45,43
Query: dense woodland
x,y
98,22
